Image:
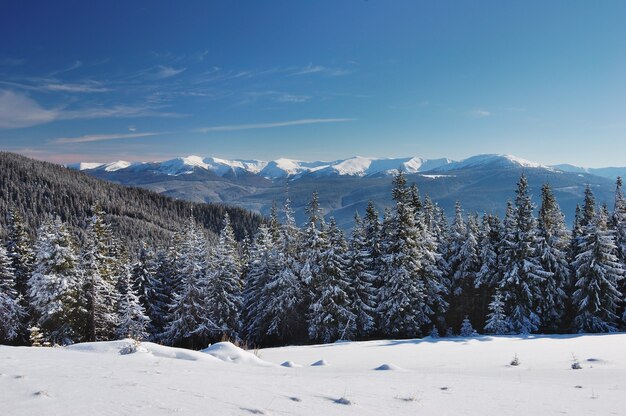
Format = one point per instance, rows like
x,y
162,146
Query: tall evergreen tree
x,y
598,272
189,323
20,252
53,288
361,276
488,277
588,213
330,315
100,271
261,268
402,304
132,321
283,297
497,321
553,251
467,260
149,285
373,238
224,297
10,308
619,220
523,273
458,233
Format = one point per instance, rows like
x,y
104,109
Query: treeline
x,y
408,274
35,189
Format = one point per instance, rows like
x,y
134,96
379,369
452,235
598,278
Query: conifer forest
x,y
407,272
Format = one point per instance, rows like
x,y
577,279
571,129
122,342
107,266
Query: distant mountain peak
x,y
356,166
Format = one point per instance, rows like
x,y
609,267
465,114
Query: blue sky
x,y
148,80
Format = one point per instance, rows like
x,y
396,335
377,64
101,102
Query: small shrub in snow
x,y
130,348
467,330
434,333
515,362
449,333
36,337
344,401
575,363
412,398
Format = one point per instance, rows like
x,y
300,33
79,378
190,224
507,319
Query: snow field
x,y
456,376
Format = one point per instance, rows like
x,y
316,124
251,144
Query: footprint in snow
x,y
320,363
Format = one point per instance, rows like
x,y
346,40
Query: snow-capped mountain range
x,y
290,168
482,183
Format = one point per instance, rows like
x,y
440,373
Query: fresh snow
x,y
496,160
443,376
354,166
279,168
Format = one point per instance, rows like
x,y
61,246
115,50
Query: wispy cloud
x,y
292,98
481,113
54,85
86,88
119,111
236,127
72,67
167,72
276,96
320,69
11,61
101,137
17,110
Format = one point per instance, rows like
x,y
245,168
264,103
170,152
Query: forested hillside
x,y
35,189
410,274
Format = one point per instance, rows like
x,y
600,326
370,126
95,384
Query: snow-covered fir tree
x,y
522,274
467,330
330,312
457,235
53,288
100,269
224,291
287,297
262,267
497,322
466,266
619,220
132,321
149,285
360,275
402,303
433,270
312,244
588,213
553,243
188,321
490,242
20,252
433,217
598,273
10,308
488,276
373,237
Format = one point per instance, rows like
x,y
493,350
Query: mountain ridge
x,y
482,183
284,168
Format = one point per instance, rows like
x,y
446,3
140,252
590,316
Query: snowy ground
x,y
424,377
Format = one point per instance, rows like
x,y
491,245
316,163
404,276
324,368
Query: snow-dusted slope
x,y
455,376
363,166
275,169
608,172
491,161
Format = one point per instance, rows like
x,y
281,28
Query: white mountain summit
x,y
357,166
